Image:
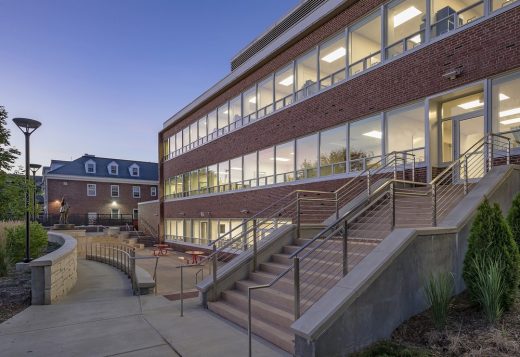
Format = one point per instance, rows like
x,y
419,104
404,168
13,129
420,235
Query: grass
x,y
438,292
5,261
3,226
490,286
391,349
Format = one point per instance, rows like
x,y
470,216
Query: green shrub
x,y
491,240
490,287
4,260
438,292
16,241
513,218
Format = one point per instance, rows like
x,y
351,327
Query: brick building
x,y
95,186
330,89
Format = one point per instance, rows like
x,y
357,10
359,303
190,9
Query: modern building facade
x,y
95,186
328,91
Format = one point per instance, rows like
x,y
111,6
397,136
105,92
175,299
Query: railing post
x,y
434,205
214,270
404,166
392,198
395,166
296,268
368,183
132,270
337,205
508,152
490,152
413,168
345,247
465,175
298,223
254,243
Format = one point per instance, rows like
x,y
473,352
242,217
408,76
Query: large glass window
x,y
365,141
365,44
194,134
333,151
266,166
405,127
249,102
284,86
203,180
406,21
186,136
223,175
498,4
179,185
203,128
212,122
223,118
506,106
448,15
307,74
333,57
265,96
194,182
235,109
285,162
212,178
307,157
235,171
464,105
178,140
250,168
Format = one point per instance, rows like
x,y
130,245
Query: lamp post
x,y
34,170
27,126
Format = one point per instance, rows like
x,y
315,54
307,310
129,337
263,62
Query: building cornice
x,y
101,179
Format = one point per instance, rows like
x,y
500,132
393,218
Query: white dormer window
x,y
113,168
90,167
134,170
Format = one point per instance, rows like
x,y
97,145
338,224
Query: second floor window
x,y
114,190
136,191
91,189
153,191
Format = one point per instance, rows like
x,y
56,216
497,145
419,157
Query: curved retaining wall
x,y
54,274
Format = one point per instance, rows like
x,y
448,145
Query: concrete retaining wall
x,y
386,288
54,274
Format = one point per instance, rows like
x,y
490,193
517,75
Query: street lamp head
x,y
35,167
27,126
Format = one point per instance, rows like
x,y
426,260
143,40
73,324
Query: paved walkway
x,y
100,317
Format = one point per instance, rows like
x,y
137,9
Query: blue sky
x,y
103,75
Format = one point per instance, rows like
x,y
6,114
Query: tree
x,y
7,153
513,218
491,240
12,195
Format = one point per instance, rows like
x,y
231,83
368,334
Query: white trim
x,y
87,163
109,167
112,192
89,186
131,169
101,179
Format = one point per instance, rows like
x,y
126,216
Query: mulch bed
x,y
15,293
466,334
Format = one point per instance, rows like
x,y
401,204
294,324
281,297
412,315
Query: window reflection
x,y
405,128
266,166
306,75
235,109
265,96
333,56
365,44
284,162
249,102
498,4
250,168
406,23
203,128
223,118
307,157
223,175
506,106
365,141
212,178
235,172
333,151
212,122
284,86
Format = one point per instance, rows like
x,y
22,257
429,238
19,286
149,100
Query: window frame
x,y
112,191
153,191
138,191
89,187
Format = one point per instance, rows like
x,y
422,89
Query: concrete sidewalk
x,y
101,317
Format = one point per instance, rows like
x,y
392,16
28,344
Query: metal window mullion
x,y
384,130
318,153
274,163
488,101
318,72
428,22
382,14
347,59
347,169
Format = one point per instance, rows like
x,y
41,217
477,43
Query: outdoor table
x,y
162,249
195,255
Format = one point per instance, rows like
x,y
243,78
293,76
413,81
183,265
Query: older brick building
x,y
331,88
95,187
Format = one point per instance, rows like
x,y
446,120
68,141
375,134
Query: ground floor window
x,y
114,213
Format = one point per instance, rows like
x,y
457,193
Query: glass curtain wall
x,y
235,109
307,75
333,59
266,166
285,162
212,178
212,122
235,172
405,130
333,151
307,157
223,118
249,103
284,86
506,107
365,44
406,25
223,176
265,96
250,170
365,142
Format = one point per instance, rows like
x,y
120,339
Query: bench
x,y
144,281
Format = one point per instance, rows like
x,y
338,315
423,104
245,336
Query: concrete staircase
x,y
143,238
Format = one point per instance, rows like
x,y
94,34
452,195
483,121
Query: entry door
x,y
468,133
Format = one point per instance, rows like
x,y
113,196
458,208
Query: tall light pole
x,y
34,170
27,126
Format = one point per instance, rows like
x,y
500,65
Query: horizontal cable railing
x,y
121,257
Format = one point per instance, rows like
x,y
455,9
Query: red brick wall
x,y
484,50
75,193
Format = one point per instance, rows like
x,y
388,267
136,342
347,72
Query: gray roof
x,y
147,170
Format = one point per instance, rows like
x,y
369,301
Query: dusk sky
x,y
103,75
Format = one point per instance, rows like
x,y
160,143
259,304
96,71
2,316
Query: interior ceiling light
x,y
502,96
510,121
374,134
335,55
287,81
470,105
416,39
406,15
506,113
236,168
252,100
282,159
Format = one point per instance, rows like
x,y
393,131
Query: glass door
x,y
470,132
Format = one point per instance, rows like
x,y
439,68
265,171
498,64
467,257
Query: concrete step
x,y
276,298
274,268
276,335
